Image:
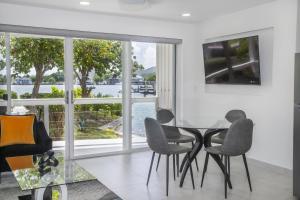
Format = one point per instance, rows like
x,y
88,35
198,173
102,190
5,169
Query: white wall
x,y
270,105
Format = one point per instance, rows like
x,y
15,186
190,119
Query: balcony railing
x,y
56,125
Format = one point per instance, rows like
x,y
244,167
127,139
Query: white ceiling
x,y
159,9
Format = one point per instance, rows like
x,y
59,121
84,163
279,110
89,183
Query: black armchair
x,y
43,143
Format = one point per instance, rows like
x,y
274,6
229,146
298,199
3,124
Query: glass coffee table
x,y
40,173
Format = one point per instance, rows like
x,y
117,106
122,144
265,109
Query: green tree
x,y
2,79
2,51
13,94
103,56
136,66
54,78
42,54
97,78
150,77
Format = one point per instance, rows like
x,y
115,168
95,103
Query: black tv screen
x,y
233,61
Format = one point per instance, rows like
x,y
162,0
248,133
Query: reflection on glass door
x,y
97,96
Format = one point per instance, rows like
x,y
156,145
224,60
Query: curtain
x,y
165,62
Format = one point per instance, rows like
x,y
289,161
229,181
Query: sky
x,y
145,53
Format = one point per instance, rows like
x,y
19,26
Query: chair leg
x,y
228,166
157,164
191,170
149,173
177,164
174,173
196,161
225,175
247,171
167,175
205,168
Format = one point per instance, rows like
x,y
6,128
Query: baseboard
x,y
272,167
135,150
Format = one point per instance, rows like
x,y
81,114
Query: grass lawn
x,y
96,134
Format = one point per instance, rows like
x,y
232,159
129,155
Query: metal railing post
x,y
46,118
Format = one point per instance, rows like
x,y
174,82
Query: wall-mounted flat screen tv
x,y
233,61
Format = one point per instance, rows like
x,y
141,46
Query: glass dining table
x,y
210,127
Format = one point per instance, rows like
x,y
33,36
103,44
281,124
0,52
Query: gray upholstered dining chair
x,y
230,116
158,143
173,134
237,142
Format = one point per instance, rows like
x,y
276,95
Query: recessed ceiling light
x,y
85,3
186,14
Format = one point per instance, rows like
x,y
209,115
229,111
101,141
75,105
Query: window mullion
x,y
8,71
126,94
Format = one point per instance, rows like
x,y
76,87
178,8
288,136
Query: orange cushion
x,y
20,162
16,130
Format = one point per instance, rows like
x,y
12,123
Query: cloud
x,y
145,53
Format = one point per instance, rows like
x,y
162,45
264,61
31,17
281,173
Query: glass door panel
x,y
37,81
97,94
143,89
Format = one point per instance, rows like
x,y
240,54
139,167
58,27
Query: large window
x,y
75,86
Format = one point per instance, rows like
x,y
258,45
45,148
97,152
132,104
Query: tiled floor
x,y
126,175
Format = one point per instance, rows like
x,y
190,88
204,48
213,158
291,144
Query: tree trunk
x,y
38,81
85,90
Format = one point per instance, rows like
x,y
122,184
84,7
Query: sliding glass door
x,y
92,94
97,91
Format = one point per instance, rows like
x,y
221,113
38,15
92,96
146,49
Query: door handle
x,y
67,97
72,97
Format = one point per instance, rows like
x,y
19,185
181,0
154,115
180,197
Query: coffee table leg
x,y
64,192
46,193
42,194
32,194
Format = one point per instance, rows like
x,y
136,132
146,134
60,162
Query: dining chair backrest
x,y
234,115
164,115
238,139
156,138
